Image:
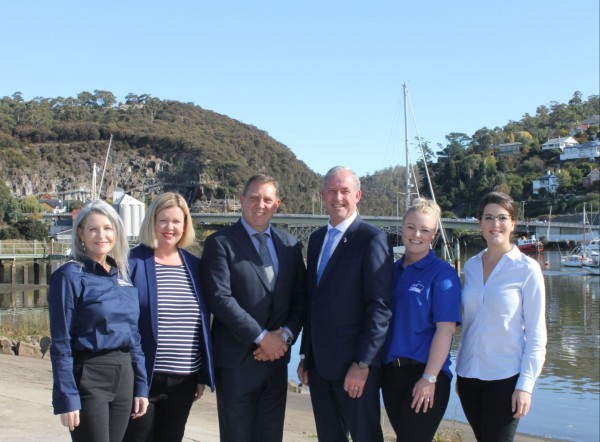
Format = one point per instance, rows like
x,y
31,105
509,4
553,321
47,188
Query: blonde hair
x,y
161,202
120,250
424,205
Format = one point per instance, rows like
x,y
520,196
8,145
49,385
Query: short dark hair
x,y
503,200
262,179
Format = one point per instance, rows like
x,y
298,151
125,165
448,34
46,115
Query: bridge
x,y
302,226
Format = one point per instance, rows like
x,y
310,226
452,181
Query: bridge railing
x,y
18,248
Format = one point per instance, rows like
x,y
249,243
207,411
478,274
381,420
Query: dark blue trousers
x,y
339,416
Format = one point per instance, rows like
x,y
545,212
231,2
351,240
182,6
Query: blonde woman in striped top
x,y
174,320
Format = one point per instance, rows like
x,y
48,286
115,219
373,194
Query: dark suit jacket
x,y
240,297
349,312
143,276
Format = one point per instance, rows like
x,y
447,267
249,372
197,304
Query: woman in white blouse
x,y
503,339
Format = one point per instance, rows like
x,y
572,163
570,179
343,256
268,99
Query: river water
x,y
566,399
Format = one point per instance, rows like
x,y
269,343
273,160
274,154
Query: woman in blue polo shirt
x,y
425,312
97,360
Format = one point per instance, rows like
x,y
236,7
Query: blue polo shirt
x,y
424,293
91,310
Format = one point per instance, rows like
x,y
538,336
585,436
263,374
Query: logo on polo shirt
x,y
416,288
124,283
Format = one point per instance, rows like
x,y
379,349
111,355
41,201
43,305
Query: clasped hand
x,y
271,347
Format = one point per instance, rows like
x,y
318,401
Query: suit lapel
x,y
340,248
150,268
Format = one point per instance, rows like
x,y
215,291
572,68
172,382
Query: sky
x,y
325,78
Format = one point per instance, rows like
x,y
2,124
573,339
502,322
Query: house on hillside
x,y
584,151
549,182
559,143
590,178
508,148
594,120
52,206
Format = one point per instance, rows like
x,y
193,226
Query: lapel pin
x,y
345,240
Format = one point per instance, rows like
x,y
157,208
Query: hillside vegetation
x,y
48,147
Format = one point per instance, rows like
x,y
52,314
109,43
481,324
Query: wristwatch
x,y
430,378
363,365
286,337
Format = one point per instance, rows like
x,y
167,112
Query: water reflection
x,y
21,297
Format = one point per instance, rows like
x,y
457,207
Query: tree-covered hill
x,y
467,167
49,145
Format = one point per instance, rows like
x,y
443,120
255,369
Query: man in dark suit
x,y
349,275
255,286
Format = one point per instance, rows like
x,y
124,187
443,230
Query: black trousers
x,y
170,401
397,385
105,383
488,407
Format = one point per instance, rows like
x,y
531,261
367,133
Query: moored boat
x,y
530,245
573,259
592,264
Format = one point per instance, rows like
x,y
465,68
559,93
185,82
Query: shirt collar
x,y
95,267
252,231
423,262
343,226
513,254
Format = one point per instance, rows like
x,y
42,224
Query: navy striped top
x,y
179,322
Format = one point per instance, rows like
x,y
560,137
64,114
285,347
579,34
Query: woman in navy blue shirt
x,y
425,311
97,359
174,320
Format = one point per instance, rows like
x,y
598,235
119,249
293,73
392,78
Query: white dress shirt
x,y
342,227
504,323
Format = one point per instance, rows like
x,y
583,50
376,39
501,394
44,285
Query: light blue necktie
x,y
332,233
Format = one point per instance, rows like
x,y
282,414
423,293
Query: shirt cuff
x,y
525,384
260,337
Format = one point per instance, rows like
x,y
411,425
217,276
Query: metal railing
x,y
14,249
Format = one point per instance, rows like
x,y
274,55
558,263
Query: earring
x,y
83,245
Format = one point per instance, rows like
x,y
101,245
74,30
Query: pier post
x,y
13,272
48,271
25,274
1,272
37,270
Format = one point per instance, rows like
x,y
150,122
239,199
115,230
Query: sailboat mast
x,y
105,164
407,170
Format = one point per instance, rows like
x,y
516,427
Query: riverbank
x,y
26,411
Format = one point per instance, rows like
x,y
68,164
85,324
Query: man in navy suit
x,y
254,281
349,279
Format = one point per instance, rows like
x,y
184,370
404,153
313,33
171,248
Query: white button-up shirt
x,y
504,324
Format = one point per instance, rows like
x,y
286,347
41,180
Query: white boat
x,y
586,249
573,259
592,264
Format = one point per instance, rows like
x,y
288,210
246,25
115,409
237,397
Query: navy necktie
x,y
265,257
331,234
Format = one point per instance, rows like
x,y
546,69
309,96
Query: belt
x,y
402,362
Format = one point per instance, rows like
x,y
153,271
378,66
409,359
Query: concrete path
x,y
26,410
